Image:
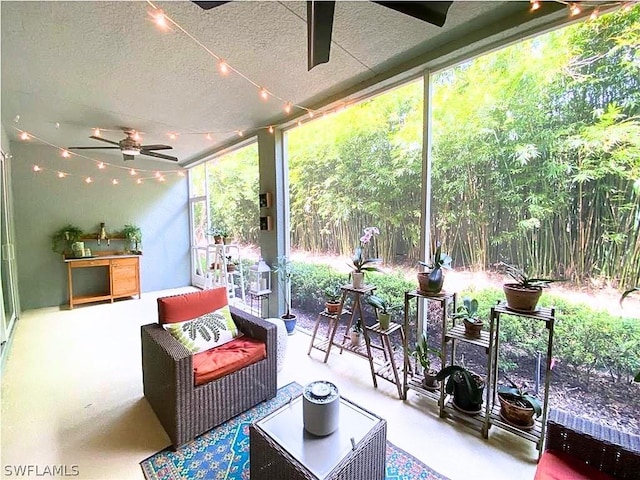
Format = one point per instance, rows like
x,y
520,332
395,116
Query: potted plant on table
x,y
332,295
465,386
383,308
63,238
284,270
523,294
421,353
134,235
431,281
468,312
517,406
362,264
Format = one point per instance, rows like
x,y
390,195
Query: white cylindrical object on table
x,y
321,408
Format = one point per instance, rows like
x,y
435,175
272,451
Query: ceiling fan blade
x,y
319,29
430,12
209,5
93,148
104,140
155,147
159,155
128,157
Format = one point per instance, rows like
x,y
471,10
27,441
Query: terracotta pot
x,y
520,298
332,307
431,282
472,330
515,414
385,320
217,240
231,267
429,381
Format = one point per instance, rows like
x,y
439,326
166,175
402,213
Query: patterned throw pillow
x,y
205,332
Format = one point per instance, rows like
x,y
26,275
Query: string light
x,y
36,168
16,118
208,137
626,7
24,136
172,135
114,181
132,172
223,67
574,9
160,19
270,128
310,113
299,123
264,94
136,136
96,132
535,5
65,154
88,180
161,178
158,175
139,181
57,124
240,134
594,14
61,175
101,165
287,107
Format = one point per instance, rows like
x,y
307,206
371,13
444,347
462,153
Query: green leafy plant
x,y
357,327
439,260
467,381
62,238
381,304
518,395
133,234
423,351
524,280
468,311
332,293
218,231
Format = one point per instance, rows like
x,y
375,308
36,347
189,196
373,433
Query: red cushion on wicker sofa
x,y
220,361
555,465
179,308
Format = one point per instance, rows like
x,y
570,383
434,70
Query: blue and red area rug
x,y
223,453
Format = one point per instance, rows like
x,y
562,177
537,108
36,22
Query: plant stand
x,y
217,254
322,344
412,374
537,433
388,370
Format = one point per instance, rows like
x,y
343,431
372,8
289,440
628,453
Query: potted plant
x,y
624,295
360,263
465,386
517,406
332,295
523,294
284,270
134,235
355,334
231,264
383,308
219,233
62,238
468,312
421,353
431,281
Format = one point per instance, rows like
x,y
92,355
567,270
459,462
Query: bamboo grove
x,y
535,161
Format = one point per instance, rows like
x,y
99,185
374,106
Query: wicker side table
x,y
282,449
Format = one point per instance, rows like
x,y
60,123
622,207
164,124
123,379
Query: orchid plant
x,y
360,263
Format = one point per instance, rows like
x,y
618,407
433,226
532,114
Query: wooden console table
x,y
123,272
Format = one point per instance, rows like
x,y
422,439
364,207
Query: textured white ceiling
x,y
106,64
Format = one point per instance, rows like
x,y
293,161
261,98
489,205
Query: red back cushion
x,y
179,308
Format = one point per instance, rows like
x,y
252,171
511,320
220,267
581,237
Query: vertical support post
x,y
273,171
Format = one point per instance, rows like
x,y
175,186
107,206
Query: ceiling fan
x,y
320,21
130,147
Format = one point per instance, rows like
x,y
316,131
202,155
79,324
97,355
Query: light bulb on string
x,y
172,135
287,107
101,166
158,175
114,181
594,14
96,132
240,134
310,113
626,7
132,172
299,123
160,19
36,168
88,180
264,94
535,5
574,9
208,136
270,128
24,136
139,181
65,154
61,175
223,67
161,178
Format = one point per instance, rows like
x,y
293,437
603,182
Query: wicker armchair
x,y
576,448
186,410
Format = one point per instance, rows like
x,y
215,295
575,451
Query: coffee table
x,y
282,449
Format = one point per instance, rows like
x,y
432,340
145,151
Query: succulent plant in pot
x,y
431,281
518,406
523,294
383,308
332,296
468,312
465,386
422,354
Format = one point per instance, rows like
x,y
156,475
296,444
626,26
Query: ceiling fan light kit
x,y
130,147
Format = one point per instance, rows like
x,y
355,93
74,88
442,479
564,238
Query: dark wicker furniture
x,y
283,450
185,410
581,441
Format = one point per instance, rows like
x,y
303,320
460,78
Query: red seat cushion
x,y
179,308
556,465
220,361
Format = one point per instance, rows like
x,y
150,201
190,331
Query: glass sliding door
x,y
199,218
7,262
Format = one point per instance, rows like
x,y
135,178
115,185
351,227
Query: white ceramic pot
x,y
357,279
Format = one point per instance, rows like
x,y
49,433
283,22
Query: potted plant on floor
x,y
431,281
332,295
362,264
465,386
468,312
62,238
421,353
284,270
517,406
383,308
523,294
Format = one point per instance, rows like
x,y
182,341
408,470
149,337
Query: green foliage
x,y
464,378
381,304
62,238
524,280
519,393
439,260
422,352
284,269
468,311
